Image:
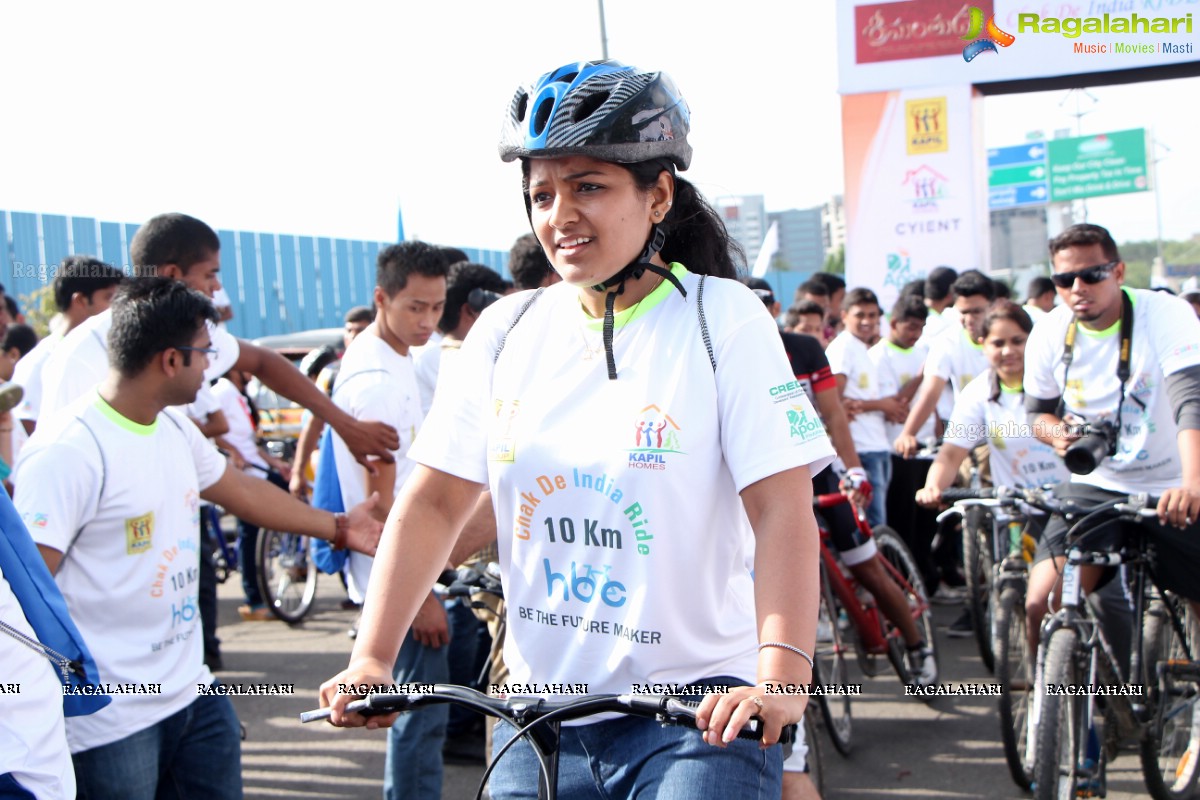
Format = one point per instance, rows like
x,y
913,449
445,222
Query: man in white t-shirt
x,y
939,300
83,288
955,358
858,380
223,305
470,288
377,380
111,495
1155,413
186,249
899,359
1039,298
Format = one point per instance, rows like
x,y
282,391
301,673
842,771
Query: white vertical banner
x,y
916,195
770,247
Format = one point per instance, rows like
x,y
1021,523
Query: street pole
x,y
603,33
1155,144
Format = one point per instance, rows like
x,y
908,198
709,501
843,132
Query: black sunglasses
x,y
1091,275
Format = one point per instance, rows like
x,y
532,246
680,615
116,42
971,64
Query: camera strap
x,y
1124,354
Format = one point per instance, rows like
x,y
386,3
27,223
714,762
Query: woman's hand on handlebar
x,y
906,445
929,497
350,685
721,716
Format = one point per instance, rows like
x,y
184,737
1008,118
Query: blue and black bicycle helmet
x,y
602,109
612,112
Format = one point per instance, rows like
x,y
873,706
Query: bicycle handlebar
x,y
521,710
954,494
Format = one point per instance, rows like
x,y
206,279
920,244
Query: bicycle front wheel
x,y
1063,728
978,563
287,577
1170,745
1014,672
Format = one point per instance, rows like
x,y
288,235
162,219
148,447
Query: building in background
x,y
278,283
801,239
745,217
833,221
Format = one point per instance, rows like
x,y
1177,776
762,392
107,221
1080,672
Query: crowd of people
x,y
626,381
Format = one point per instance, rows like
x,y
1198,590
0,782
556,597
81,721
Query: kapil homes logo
x,y
923,187
995,37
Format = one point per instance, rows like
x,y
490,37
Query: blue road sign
x,y
1017,194
1029,153
1025,194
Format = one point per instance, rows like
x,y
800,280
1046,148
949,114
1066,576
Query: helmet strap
x,y
632,271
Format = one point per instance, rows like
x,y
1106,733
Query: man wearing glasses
x,y
111,495
1073,372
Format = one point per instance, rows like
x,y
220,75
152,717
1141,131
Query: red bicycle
x,y
847,610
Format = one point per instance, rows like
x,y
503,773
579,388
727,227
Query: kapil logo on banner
x,y
994,37
925,126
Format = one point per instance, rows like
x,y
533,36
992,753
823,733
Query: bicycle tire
x,y
1170,742
978,571
1062,728
893,550
814,759
287,576
1015,673
829,667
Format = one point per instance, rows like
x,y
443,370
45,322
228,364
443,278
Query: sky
x,y
322,119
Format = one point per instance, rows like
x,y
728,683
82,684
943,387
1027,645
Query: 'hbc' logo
x,y
994,37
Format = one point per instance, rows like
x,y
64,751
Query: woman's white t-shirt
x,y
1016,456
624,546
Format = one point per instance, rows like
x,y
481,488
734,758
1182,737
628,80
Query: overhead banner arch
x,y
913,74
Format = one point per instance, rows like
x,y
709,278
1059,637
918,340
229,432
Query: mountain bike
x,y
537,718
1011,549
1076,734
870,632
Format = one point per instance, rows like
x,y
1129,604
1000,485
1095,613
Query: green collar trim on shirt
x,y
121,421
967,336
1012,389
1111,330
897,348
647,303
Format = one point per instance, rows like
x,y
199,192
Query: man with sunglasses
x,y
1073,371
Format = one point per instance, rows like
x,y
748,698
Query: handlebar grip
x,y
752,730
954,494
364,707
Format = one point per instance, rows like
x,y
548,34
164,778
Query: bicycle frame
x,y
1093,649
867,619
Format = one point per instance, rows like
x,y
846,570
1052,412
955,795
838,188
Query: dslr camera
x,y
1096,441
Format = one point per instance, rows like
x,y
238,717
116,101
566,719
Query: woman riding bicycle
x,y
991,409
644,454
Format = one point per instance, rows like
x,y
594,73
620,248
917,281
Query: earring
x,y
657,214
